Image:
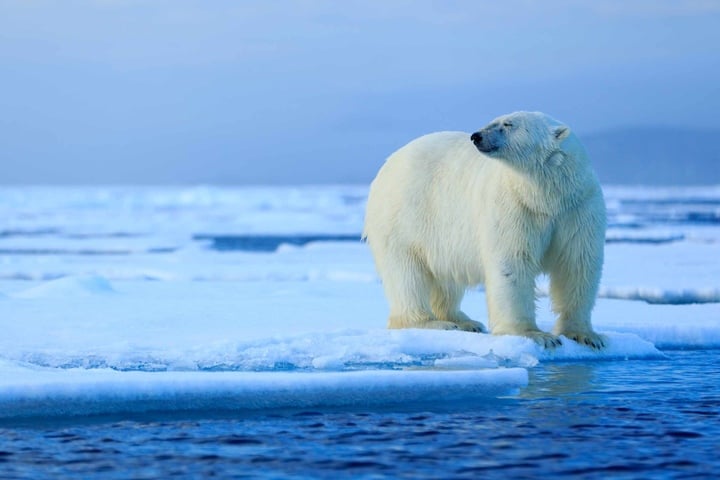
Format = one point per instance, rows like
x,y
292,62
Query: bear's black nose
x,y
476,138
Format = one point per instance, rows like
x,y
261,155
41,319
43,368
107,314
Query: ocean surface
x,y
240,333
613,419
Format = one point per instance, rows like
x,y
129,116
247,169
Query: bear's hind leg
x,y
408,286
445,301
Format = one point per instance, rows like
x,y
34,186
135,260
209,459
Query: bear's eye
x,y
507,124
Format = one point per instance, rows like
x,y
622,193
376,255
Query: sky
x,y
322,91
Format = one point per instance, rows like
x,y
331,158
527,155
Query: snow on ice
x,y
119,299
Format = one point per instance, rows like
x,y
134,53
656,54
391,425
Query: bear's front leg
x,y
511,305
573,303
575,266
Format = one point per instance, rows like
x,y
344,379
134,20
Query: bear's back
x,y
430,161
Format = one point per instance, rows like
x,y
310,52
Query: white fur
x,y
442,216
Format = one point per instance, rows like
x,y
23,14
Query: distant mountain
x,y
655,156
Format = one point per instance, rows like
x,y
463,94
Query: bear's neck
x,y
549,194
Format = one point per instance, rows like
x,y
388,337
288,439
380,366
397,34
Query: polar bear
x,y
499,207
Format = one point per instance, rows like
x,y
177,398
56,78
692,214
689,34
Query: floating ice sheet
x,y
79,392
116,299
90,322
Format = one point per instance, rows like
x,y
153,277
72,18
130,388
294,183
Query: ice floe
x,y
142,299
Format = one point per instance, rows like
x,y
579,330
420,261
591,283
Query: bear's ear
x,y
561,133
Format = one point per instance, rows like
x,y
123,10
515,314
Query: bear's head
x,y
525,140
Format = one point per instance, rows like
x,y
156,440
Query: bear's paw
x,y
589,339
470,326
545,340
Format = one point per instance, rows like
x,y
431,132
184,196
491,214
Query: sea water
x,y
618,419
